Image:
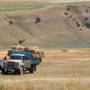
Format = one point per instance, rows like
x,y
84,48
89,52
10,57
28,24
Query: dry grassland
x,y
67,54
62,75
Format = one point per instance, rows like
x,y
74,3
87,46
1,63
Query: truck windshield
x,y
16,57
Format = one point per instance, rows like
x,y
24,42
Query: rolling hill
x,y
44,24
53,1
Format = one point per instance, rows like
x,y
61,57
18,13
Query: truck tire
x,y
35,67
4,72
32,69
21,70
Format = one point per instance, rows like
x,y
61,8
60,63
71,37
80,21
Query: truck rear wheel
x,y
33,68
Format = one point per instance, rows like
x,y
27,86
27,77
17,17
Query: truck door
x,y
27,62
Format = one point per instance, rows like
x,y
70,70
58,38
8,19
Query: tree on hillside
x,y
86,19
65,13
68,9
38,20
11,22
21,41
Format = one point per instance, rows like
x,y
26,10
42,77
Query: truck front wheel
x,y
21,71
4,72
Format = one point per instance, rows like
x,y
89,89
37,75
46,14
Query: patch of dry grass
x,y
16,86
71,85
67,54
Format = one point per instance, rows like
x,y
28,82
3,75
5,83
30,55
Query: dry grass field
x,y
65,69
61,69
67,54
61,75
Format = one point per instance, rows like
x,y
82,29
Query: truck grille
x,y
12,65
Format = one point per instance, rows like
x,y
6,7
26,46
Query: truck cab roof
x,y
20,53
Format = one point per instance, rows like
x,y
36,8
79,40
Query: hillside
x,y
45,25
53,1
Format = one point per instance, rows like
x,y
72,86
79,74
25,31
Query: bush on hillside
x,y
11,22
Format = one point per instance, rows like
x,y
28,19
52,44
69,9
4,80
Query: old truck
x,y
21,59
19,62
